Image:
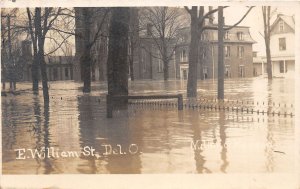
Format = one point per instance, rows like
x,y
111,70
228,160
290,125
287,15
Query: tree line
x,y
160,24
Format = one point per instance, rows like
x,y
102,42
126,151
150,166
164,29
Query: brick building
x,y
237,53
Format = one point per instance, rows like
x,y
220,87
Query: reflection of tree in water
x,y
223,141
270,140
42,135
197,136
96,131
49,166
8,123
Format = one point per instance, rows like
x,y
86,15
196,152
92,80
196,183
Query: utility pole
x,y
220,53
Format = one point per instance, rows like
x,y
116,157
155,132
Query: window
x,y
226,35
281,67
183,56
143,58
240,36
281,26
240,51
205,72
203,53
203,36
66,72
227,71
282,44
160,66
227,51
241,71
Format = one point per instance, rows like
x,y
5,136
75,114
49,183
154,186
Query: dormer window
x,y
183,56
281,26
240,36
203,37
226,35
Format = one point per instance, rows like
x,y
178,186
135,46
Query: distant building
x,y
99,50
57,67
237,53
282,46
148,63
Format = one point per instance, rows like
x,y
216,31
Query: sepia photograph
x,y
150,90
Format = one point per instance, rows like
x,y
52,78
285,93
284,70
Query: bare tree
x,y
163,23
266,12
39,23
85,20
12,64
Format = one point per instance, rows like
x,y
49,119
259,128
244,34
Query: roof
x,y
289,20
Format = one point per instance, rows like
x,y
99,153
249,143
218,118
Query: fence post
x,y
109,106
180,102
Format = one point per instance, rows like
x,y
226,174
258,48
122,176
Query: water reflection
x,y
223,141
226,141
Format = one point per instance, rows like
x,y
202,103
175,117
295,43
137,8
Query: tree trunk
x,y
193,55
200,60
44,75
131,57
85,59
35,74
266,17
166,69
165,61
117,65
40,55
220,54
269,61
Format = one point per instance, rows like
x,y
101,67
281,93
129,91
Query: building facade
x,y
237,53
282,46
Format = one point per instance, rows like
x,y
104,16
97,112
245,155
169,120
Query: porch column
x,y
284,70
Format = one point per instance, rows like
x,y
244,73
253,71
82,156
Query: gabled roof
x,y
289,20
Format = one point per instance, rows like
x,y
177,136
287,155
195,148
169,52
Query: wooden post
x,y
109,106
180,102
220,53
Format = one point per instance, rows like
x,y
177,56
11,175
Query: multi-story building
x,y
147,61
282,46
237,53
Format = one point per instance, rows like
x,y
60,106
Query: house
x,y
237,53
282,46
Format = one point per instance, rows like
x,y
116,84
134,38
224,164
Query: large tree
x,y
117,63
163,24
266,11
88,34
11,68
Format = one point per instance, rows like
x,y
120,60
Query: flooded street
x,y
151,138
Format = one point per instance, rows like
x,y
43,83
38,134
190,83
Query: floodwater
x,y
73,135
